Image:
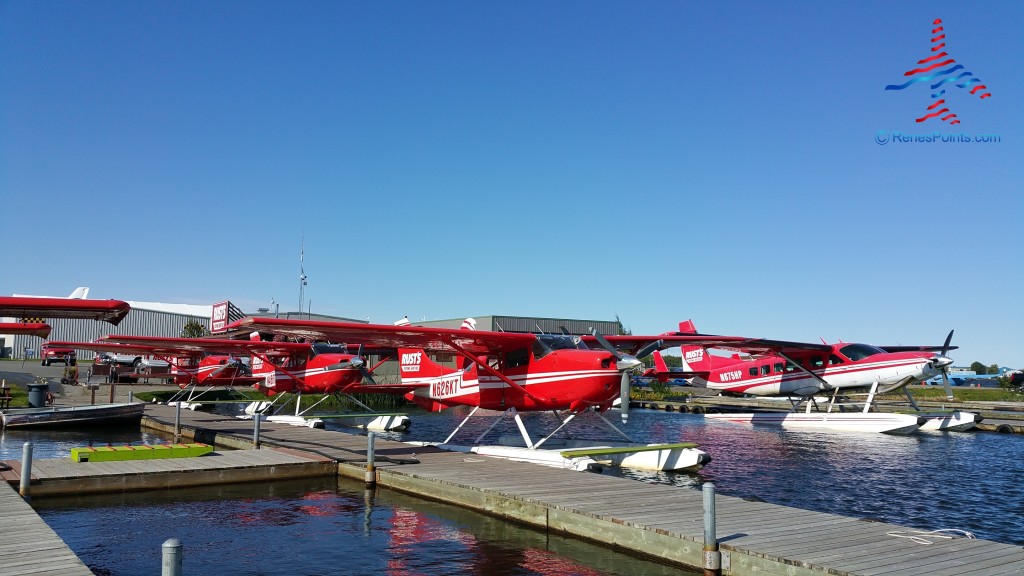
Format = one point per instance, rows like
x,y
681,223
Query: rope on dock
x,y
922,536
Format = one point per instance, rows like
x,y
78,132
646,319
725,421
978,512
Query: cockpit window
x,y
520,357
326,348
546,343
857,352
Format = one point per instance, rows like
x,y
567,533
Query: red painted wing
x,y
112,311
28,328
193,346
385,336
734,343
107,347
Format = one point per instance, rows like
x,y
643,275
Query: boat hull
x,y
56,416
887,423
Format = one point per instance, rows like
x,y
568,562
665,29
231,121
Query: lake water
x,y
968,481
322,526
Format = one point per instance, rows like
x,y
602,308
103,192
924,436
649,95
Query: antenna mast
x,y
302,274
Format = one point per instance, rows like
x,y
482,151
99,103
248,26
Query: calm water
x,y
314,527
969,481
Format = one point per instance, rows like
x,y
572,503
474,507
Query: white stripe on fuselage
x,y
454,385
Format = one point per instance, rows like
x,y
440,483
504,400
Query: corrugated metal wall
x,y
137,323
530,324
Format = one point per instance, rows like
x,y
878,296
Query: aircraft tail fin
x,y
414,363
695,359
659,362
687,327
81,292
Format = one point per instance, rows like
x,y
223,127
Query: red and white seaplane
x,y
286,370
801,371
512,373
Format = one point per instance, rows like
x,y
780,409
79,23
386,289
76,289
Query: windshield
x,y
561,342
325,348
546,343
860,351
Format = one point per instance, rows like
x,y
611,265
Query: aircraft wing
x,y
917,348
634,344
766,346
642,345
29,328
102,346
194,346
112,311
476,342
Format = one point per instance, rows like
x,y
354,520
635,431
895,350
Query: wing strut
x,y
804,369
483,366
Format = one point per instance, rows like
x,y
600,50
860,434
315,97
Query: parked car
x,y
50,354
132,362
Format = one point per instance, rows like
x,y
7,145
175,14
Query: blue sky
x,y
655,160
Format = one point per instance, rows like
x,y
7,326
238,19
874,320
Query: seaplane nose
x,y
627,363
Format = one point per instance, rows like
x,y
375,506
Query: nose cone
x,y
940,361
627,363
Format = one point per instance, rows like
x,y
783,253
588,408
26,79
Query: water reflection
x,y
314,527
57,443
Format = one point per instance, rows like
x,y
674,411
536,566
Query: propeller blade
x,y
649,348
366,374
605,344
945,346
945,381
624,396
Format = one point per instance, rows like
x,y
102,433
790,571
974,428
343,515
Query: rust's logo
x,y
942,71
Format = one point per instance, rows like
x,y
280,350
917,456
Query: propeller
x,y
623,362
356,362
235,363
945,367
649,348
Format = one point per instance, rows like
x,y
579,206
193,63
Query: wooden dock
x,y
655,521
28,546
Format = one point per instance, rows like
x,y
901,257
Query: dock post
x,y
177,422
256,430
93,388
131,396
172,553
26,471
113,389
712,557
371,473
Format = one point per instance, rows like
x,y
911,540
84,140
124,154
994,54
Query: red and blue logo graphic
x,y
943,70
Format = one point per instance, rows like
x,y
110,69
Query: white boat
x,y
888,423
955,421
